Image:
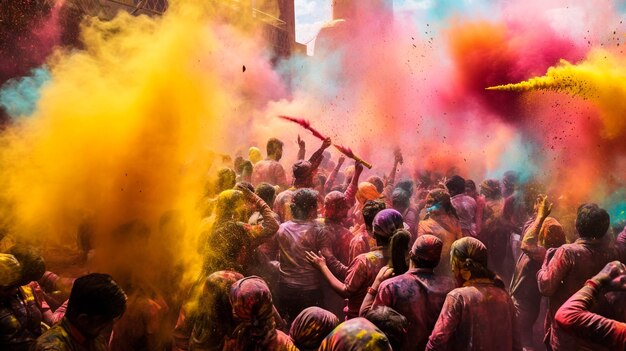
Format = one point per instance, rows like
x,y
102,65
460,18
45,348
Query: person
x,y
207,318
363,237
540,234
303,177
356,334
401,202
566,268
442,222
270,170
464,205
33,270
392,323
231,242
491,229
479,315
311,326
365,192
254,155
95,303
256,319
20,317
470,189
334,175
364,268
417,294
575,316
300,285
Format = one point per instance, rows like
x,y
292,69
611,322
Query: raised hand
x,y
543,206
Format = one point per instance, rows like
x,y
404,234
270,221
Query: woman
x,y
388,227
442,222
256,316
357,334
311,326
480,314
207,318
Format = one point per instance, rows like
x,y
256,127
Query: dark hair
x,y
378,183
399,248
246,168
96,294
400,199
273,145
391,323
266,192
469,184
406,185
33,265
238,164
455,185
246,185
592,221
226,179
304,201
370,210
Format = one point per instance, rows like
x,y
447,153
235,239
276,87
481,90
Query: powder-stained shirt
x,y
361,243
418,295
64,337
478,316
465,207
269,171
282,342
447,229
361,274
576,318
566,269
294,238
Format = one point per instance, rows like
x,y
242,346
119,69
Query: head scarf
x,y
551,234
357,334
311,326
10,270
491,188
427,248
470,255
366,191
227,204
387,222
335,204
212,318
302,171
254,155
253,309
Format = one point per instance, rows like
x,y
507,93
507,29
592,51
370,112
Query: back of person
x,y
479,316
465,207
418,295
447,231
269,171
361,275
294,239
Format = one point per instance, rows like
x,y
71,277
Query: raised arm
x,y
531,235
318,155
269,225
353,187
575,317
301,148
333,175
391,179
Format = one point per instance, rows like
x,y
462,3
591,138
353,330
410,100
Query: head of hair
x,y
335,206
304,203
370,210
226,179
237,164
426,251
400,199
455,185
96,294
378,183
246,185
406,185
228,204
246,168
439,199
491,189
10,271
266,192
33,265
274,146
399,248
390,322
592,221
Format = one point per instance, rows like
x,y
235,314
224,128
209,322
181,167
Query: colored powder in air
x,y
19,96
601,78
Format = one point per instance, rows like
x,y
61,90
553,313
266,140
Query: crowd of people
x,y
319,259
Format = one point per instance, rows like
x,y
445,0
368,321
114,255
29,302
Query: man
x,y
540,233
270,170
95,303
417,294
303,176
464,205
300,284
567,268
